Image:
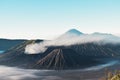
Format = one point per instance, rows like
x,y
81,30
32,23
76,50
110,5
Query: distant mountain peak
x,y
74,31
98,33
70,33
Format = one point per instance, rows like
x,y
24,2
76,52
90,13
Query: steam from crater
x,y
68,40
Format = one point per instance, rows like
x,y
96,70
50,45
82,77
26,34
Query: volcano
x,y
63,58
74,31
73,56
70,33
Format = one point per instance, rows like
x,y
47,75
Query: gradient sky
x,y
47,18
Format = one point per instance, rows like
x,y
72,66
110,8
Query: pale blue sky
x,y
48,18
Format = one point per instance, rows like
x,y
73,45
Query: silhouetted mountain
x,y
8,43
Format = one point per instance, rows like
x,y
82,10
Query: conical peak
x,y
74,31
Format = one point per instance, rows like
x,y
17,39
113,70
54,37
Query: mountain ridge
x,y
60,57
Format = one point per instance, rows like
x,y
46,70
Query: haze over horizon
x,y
29,19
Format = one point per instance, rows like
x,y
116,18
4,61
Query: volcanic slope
x,y
15,56
63,58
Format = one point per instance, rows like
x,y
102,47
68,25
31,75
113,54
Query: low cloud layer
x,y
68,40
12,73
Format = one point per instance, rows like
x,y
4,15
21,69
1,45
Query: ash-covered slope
x,y
64,58
93,49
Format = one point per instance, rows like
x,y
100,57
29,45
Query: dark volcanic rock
x,y
15,56
8,43
63,59
59,57
94,49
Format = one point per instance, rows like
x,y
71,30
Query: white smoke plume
x,y
68,40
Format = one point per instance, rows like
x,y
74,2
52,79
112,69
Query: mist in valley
x,y
15,73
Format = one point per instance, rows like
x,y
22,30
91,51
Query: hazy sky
x,y
48,18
